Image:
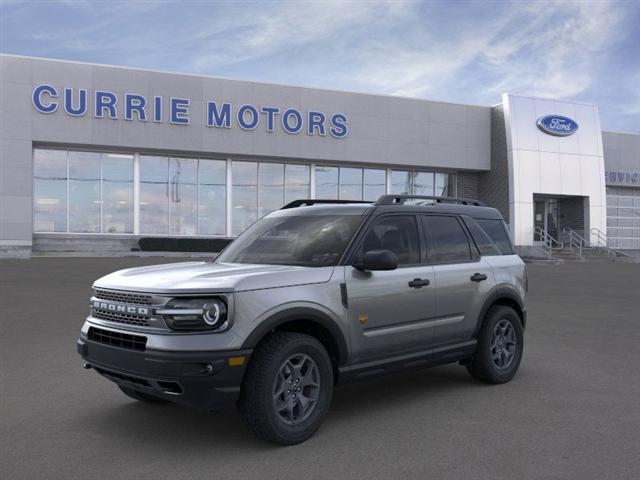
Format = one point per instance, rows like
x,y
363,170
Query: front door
x,y
545,217
390,313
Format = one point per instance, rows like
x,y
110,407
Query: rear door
x,y
390,312
462,277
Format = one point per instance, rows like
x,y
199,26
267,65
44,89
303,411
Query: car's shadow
x,y
166,425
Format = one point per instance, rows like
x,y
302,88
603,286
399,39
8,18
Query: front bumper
x,y
203,380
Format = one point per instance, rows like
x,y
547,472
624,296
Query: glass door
x,y
539,218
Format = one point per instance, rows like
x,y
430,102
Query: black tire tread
x,y
252,404
480,365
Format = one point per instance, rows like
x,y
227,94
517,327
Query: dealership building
x,y
94,158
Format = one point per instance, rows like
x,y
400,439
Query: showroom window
x,y
296,182
154,195
125,193
244,195
82,192
212,197
183,196
117,193
50,190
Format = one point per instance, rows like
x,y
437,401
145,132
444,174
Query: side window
x,y
497,232
483,241
447,241
398,234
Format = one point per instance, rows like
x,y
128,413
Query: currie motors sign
x,y
557,125
131,106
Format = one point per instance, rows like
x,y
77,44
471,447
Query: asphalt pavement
x,y
571,412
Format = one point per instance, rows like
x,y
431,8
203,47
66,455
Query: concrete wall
x,y
382,130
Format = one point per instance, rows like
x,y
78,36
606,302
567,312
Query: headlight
x,y
195,314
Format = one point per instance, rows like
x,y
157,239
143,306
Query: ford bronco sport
x,y
317,293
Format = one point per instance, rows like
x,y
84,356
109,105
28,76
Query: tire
x,y
279,363
500,335
141,396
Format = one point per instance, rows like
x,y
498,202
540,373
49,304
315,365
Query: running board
x,y
425,358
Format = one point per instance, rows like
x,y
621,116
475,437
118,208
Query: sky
x,y
456,51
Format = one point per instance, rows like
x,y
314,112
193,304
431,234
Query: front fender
x,y
312,313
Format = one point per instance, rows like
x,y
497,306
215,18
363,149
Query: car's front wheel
x,y
287,388
500,346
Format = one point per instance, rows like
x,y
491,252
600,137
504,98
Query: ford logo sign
x,y
557,125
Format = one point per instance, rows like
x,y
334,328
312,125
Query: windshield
x,y
309,241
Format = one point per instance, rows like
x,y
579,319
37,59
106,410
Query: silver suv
x,y
318,293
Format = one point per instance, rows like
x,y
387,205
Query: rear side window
x,y
497,232
447,240
482,239
398,234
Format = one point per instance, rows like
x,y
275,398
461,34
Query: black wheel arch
x,y
503,295
304,320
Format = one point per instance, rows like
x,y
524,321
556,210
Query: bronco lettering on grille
x,y
126,309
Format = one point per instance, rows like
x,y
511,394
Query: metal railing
x,y
576,241
548,241
603,245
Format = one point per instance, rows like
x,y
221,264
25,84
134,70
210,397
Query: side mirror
x,y
377,260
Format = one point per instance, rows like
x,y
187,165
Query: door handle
x,y
419,283
478,277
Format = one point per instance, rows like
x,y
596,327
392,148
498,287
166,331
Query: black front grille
x,y
117,339
123,297
127,318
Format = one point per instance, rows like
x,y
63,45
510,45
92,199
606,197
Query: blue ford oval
x,y
557,125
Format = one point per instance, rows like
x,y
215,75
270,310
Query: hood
x,y
195,277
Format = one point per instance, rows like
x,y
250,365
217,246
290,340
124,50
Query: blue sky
x,y
458,51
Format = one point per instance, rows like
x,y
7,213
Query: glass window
x,y
212,200
183,196
401,182
447,241
374,184
244,195
49,190
309,240
270,187
117,193
85,204
423,183
442,185
326,182
154,195
351,184
485,244
296,182
398,234
497,231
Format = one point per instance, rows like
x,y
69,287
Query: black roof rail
x,y
301,202
400,199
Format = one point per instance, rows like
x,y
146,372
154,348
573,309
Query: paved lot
x,y
573,410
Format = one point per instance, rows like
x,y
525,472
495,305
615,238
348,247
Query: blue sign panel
x,y
136,107
557,125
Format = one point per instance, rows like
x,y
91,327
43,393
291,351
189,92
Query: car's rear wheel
x,y
500,346
141,396
287,388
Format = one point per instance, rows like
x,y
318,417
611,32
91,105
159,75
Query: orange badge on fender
x,y
363,319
